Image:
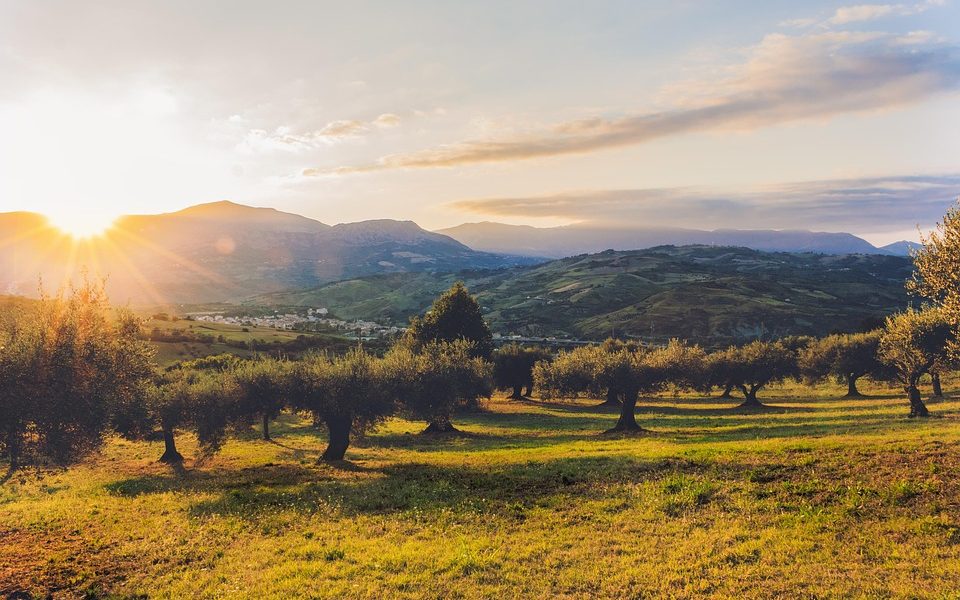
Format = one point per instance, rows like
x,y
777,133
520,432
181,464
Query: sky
x,y
829,116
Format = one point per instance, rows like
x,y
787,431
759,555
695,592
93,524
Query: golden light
x,y
82,224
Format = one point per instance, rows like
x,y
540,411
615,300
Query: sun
x,y
82,224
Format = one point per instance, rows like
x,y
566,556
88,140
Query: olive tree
x,y
204,402
914,342
434,382
936,274
513,368
623,373
68,363
262,387
752,367
844,357
347,393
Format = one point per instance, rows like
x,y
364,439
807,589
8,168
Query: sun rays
x,y
46,258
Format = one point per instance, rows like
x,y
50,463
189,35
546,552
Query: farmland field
x,y
815,496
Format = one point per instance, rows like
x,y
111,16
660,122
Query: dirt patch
x,y
57,564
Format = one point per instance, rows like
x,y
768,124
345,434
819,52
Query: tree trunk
x,y
937,388
529,392
852,391
727,391
917,407
612,399
440,424
627,423
266,426
517,392
750,397
170,454
338,428
13,449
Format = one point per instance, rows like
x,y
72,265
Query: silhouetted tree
x,y
913,342
455,315
513,368
845,357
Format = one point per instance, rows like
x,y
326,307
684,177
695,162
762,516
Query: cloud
x,y
387,120
285,140
339,129
859,205
868,12
786,78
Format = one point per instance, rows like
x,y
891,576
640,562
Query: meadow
x,y
815,496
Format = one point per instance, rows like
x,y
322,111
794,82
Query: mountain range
x,y
226,252
714,295
558,242
223,252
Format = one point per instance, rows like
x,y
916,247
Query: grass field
x,y
815,497
171,352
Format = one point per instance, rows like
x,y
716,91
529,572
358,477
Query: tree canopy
x,y
455,315
914,342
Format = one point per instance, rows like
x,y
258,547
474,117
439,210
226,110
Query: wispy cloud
x,y
786,78
868,12
860,205
287,140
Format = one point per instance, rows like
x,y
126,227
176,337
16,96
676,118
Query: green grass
x,y
171,352
815,497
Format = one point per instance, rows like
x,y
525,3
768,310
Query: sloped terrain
x,y
702,293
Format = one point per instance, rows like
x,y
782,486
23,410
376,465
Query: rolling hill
x,y
709,294
558,242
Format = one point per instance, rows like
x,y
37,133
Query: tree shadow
x,y
419,487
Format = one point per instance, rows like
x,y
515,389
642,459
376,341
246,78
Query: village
x,y
313,319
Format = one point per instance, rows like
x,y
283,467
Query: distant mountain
x,y
558,242
711,295
901,248
223,251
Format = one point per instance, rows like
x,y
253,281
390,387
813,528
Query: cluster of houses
x,y
312,320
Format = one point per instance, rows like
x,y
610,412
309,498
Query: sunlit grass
x,y
815,497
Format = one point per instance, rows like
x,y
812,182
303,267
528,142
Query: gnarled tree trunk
x,y
727,391
529,392
13,449
917,407
627,422
441,424
612,399
338,428
266,426
750,397
170,454
937,388
517,392
852,391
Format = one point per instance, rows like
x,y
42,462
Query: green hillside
x,y
704,293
